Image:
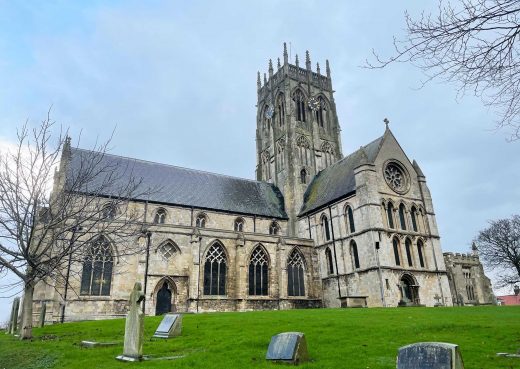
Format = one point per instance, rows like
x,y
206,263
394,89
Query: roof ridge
x,y
176,166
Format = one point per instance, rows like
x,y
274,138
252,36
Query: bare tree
x,y
41,234
475,45
499,247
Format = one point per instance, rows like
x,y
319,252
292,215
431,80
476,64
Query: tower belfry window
x,y
303,176
280,110
299,100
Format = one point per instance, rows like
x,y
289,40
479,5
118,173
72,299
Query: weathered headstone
x,y
430,355
43,311
171,326
134,327
290,347
94,344
14,317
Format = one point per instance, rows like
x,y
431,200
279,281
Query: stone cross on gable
x,y
134,327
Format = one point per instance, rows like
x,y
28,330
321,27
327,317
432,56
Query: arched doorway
x,y
409,291
163,300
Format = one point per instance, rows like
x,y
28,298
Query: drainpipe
x,y
335,255
377,243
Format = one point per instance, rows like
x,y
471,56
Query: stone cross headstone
x,y
171,326
43,311
134,327
14,317
430,355
289,347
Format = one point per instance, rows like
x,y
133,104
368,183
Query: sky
x,y
176,82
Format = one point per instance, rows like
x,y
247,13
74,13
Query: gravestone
x,y
289,347
134,327
171,326
94,344
43,311
430,355
14,317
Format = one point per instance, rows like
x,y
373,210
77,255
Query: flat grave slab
x,y
171,326
289,347
430,355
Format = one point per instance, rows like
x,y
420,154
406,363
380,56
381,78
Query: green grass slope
x,y
337,338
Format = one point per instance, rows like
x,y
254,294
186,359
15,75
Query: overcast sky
x,y
177,80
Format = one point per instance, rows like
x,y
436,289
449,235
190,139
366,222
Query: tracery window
x,y
402,216
239,225
325,227
330,264
390,214
295,274
160,216
266,167
395,244
200,221
109,212
274,228
328,153
215,268
321,112
299,100
303,150
354,253
420,248
167,250
259,273
414,220
349,214
96,276
408,247
280,154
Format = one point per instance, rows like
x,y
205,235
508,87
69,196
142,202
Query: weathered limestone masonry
x,y
469,285
315,229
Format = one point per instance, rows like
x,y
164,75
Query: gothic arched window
x,y
354,252
408,247
303,176
325,227
295,274
96,276
420,248
215,269
395,244
299,100
390,214
274,228
280,109
413,212
160,216
259,273
328,153
330,264
303,150
239,225
321,113
200,222
266,167
280,154
109,212
402,216
351,228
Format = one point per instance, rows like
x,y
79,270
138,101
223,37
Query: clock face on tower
x,y
314,104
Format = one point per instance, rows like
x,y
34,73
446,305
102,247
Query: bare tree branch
x,y
473,44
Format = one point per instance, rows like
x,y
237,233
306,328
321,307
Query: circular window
x,y
396,177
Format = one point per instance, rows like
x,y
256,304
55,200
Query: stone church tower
x,y
298,132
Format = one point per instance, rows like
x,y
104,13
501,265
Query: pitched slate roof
x,y
181,186
338,181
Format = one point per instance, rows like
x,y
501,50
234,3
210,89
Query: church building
x,y
315,229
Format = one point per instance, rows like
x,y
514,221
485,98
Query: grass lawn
x,y
337,338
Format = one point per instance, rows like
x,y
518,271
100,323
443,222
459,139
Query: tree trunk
x,y
27,310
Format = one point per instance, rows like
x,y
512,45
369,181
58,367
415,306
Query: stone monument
x,y
134,327
43,311
13,326
288,347
171,326
430,355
